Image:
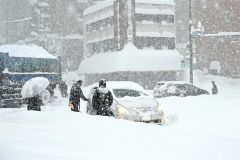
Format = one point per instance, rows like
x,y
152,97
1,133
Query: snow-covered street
x,y
156,80
203,127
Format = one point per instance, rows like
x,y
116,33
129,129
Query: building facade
x,y
154,24
217,51
111,25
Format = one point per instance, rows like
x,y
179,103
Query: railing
x,y
155,28
106,33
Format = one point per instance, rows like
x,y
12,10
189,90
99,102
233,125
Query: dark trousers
x,y
34,103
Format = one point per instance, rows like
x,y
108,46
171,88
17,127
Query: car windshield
x,y
119,93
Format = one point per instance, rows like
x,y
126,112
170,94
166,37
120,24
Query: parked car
x,y
131,102
176,88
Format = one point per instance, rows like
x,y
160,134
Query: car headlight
x,y
158,107
121,110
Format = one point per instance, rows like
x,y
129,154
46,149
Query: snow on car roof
x,y
124,85
120,85
89,90
132,59
26,51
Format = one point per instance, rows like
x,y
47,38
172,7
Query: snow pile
x,y
26,51
144,60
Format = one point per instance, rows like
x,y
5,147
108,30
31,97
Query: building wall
x,y
155,26
218,15
221,21
182,25
108,29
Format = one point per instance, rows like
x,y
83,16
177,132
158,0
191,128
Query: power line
x,y
18,20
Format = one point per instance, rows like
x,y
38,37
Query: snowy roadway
x,y
198,128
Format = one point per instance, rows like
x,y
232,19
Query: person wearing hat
x,y
75,95
102,99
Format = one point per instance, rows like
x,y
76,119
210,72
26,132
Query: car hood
x,y
137,102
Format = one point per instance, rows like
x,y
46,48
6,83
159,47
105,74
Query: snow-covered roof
x,y
132,59
98,6
26,51
169,2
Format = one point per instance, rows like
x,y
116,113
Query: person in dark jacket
x,y
75,95
102,99
34,103
214,88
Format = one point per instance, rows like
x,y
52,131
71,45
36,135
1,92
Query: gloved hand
x,y
71,105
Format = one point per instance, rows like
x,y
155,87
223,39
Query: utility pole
x,y
190,48
118,26
130,21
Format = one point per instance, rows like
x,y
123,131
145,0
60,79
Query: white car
x,y
131,102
